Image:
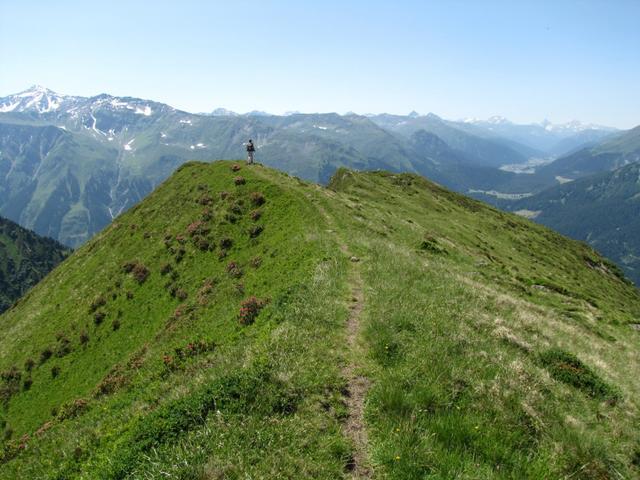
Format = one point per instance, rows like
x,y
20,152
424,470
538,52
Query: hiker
x,y
250,150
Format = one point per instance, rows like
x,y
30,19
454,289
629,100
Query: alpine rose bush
x,y
257,198
250,308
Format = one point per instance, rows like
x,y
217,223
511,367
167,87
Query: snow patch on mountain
x,y
146,111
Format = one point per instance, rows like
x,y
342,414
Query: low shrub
x,y
112,382
230,217
72,409
202,243
255,215
137,269
55,371
140,273
115,325
224,195
250,308
198,228
431,244
181,294
99,301
127,267
84,337
26,385
567,368
9,383
206,215
226,243
257,198
255,231
235,167
181,311
11,375
45,355
29,364
239,180
166,268
99,317
236,207
64,347
207,287
193,349
256,262
205,199
234,270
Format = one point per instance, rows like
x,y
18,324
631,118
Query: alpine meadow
x,y
294,240
209,328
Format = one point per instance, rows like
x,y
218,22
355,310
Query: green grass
x,y
462,306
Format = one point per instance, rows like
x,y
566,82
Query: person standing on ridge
x,y
250,151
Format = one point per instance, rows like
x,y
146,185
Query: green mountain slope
x,y
25,258
603,210
479,150
68,174
610,154
246,324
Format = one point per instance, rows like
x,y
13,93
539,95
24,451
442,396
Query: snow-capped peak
x,y
498,120
35,98
35,90
494,120
574,126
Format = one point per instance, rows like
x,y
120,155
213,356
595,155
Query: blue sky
x,y
527,61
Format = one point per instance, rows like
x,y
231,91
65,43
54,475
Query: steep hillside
x,y
25,258
246,324
603,210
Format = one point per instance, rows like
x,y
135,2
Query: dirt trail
x,y
357,385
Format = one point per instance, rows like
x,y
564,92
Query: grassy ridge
x,y
458,345
495,348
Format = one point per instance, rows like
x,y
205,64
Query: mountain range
x,y
69,165
242,323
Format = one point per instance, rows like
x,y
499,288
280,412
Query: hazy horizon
x,y
526,61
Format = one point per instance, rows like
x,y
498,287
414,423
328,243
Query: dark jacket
x,y
250,147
